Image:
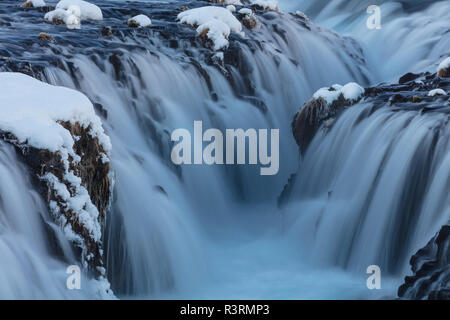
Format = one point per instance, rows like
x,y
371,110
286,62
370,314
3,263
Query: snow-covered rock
x,y
245,11
89,11
70,17
351,91
33,4
266,4
140,20
322,109
443,69
63,142
214,23
32,110
437,92
249,19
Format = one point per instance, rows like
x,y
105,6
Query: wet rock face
x,y
94,171
431,270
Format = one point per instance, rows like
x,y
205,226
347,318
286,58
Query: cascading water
x,y
168,94
413,35
216,231
35,252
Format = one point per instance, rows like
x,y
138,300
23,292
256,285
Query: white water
x,y
217,232
413,36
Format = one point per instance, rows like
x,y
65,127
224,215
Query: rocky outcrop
x,y
85,185
431,270
444,69
412,92
61,139
430,277
317,112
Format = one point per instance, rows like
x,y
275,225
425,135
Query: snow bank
x,y
71,17
266,4
351,91
437,92
89,11
32,111
216,23
34,3
140,20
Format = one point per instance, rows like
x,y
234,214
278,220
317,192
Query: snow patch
x,y
32,111
246,11
444,65
231,2
231,8
88,10
140,20
215,23
351,91
71,17
437,92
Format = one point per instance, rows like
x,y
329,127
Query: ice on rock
x,y
215,23
88,10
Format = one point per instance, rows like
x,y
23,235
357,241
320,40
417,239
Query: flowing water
x,y
367,193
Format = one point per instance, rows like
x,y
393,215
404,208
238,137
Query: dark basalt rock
x,y
431,270
408,77
106,31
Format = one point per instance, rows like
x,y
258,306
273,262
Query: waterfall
x,y
413,36
366,192
372,190
162,215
